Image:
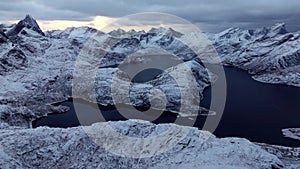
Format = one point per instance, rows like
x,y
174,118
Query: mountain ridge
x,y
28,22
270,54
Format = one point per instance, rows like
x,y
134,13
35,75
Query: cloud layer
x,y
211,15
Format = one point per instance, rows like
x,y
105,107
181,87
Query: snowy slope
x,y
45,147
272,55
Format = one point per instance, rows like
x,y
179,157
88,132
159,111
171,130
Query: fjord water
x,y
254,110
257,111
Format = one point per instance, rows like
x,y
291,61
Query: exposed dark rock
x,y
27,22
14,59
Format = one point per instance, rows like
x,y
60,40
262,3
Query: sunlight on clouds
x,y
105,24
98,22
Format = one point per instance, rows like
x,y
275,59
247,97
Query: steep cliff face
x,y
29,23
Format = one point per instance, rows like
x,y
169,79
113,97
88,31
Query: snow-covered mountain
x,y
125,34
29,23
36,69
45,147
272,55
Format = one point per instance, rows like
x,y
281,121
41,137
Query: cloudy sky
x,y
209,15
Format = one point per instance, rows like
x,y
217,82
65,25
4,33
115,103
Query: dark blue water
x,y
253,110
258,111
146,75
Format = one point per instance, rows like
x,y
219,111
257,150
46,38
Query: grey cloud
x,y
149,18
214,14
15,10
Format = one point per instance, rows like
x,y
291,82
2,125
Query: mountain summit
x,y
28,22
279,28
165,31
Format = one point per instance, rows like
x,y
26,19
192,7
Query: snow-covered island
x,y
36,69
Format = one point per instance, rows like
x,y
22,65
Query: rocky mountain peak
x,y
157,30
279,28
174,33
117,32
28,22
120,32
226,33
132,31
245,35
165,31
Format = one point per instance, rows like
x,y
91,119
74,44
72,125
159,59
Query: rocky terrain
x,y
271,55
37,69
45,147
292,133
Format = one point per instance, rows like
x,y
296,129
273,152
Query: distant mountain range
x,y
272,54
